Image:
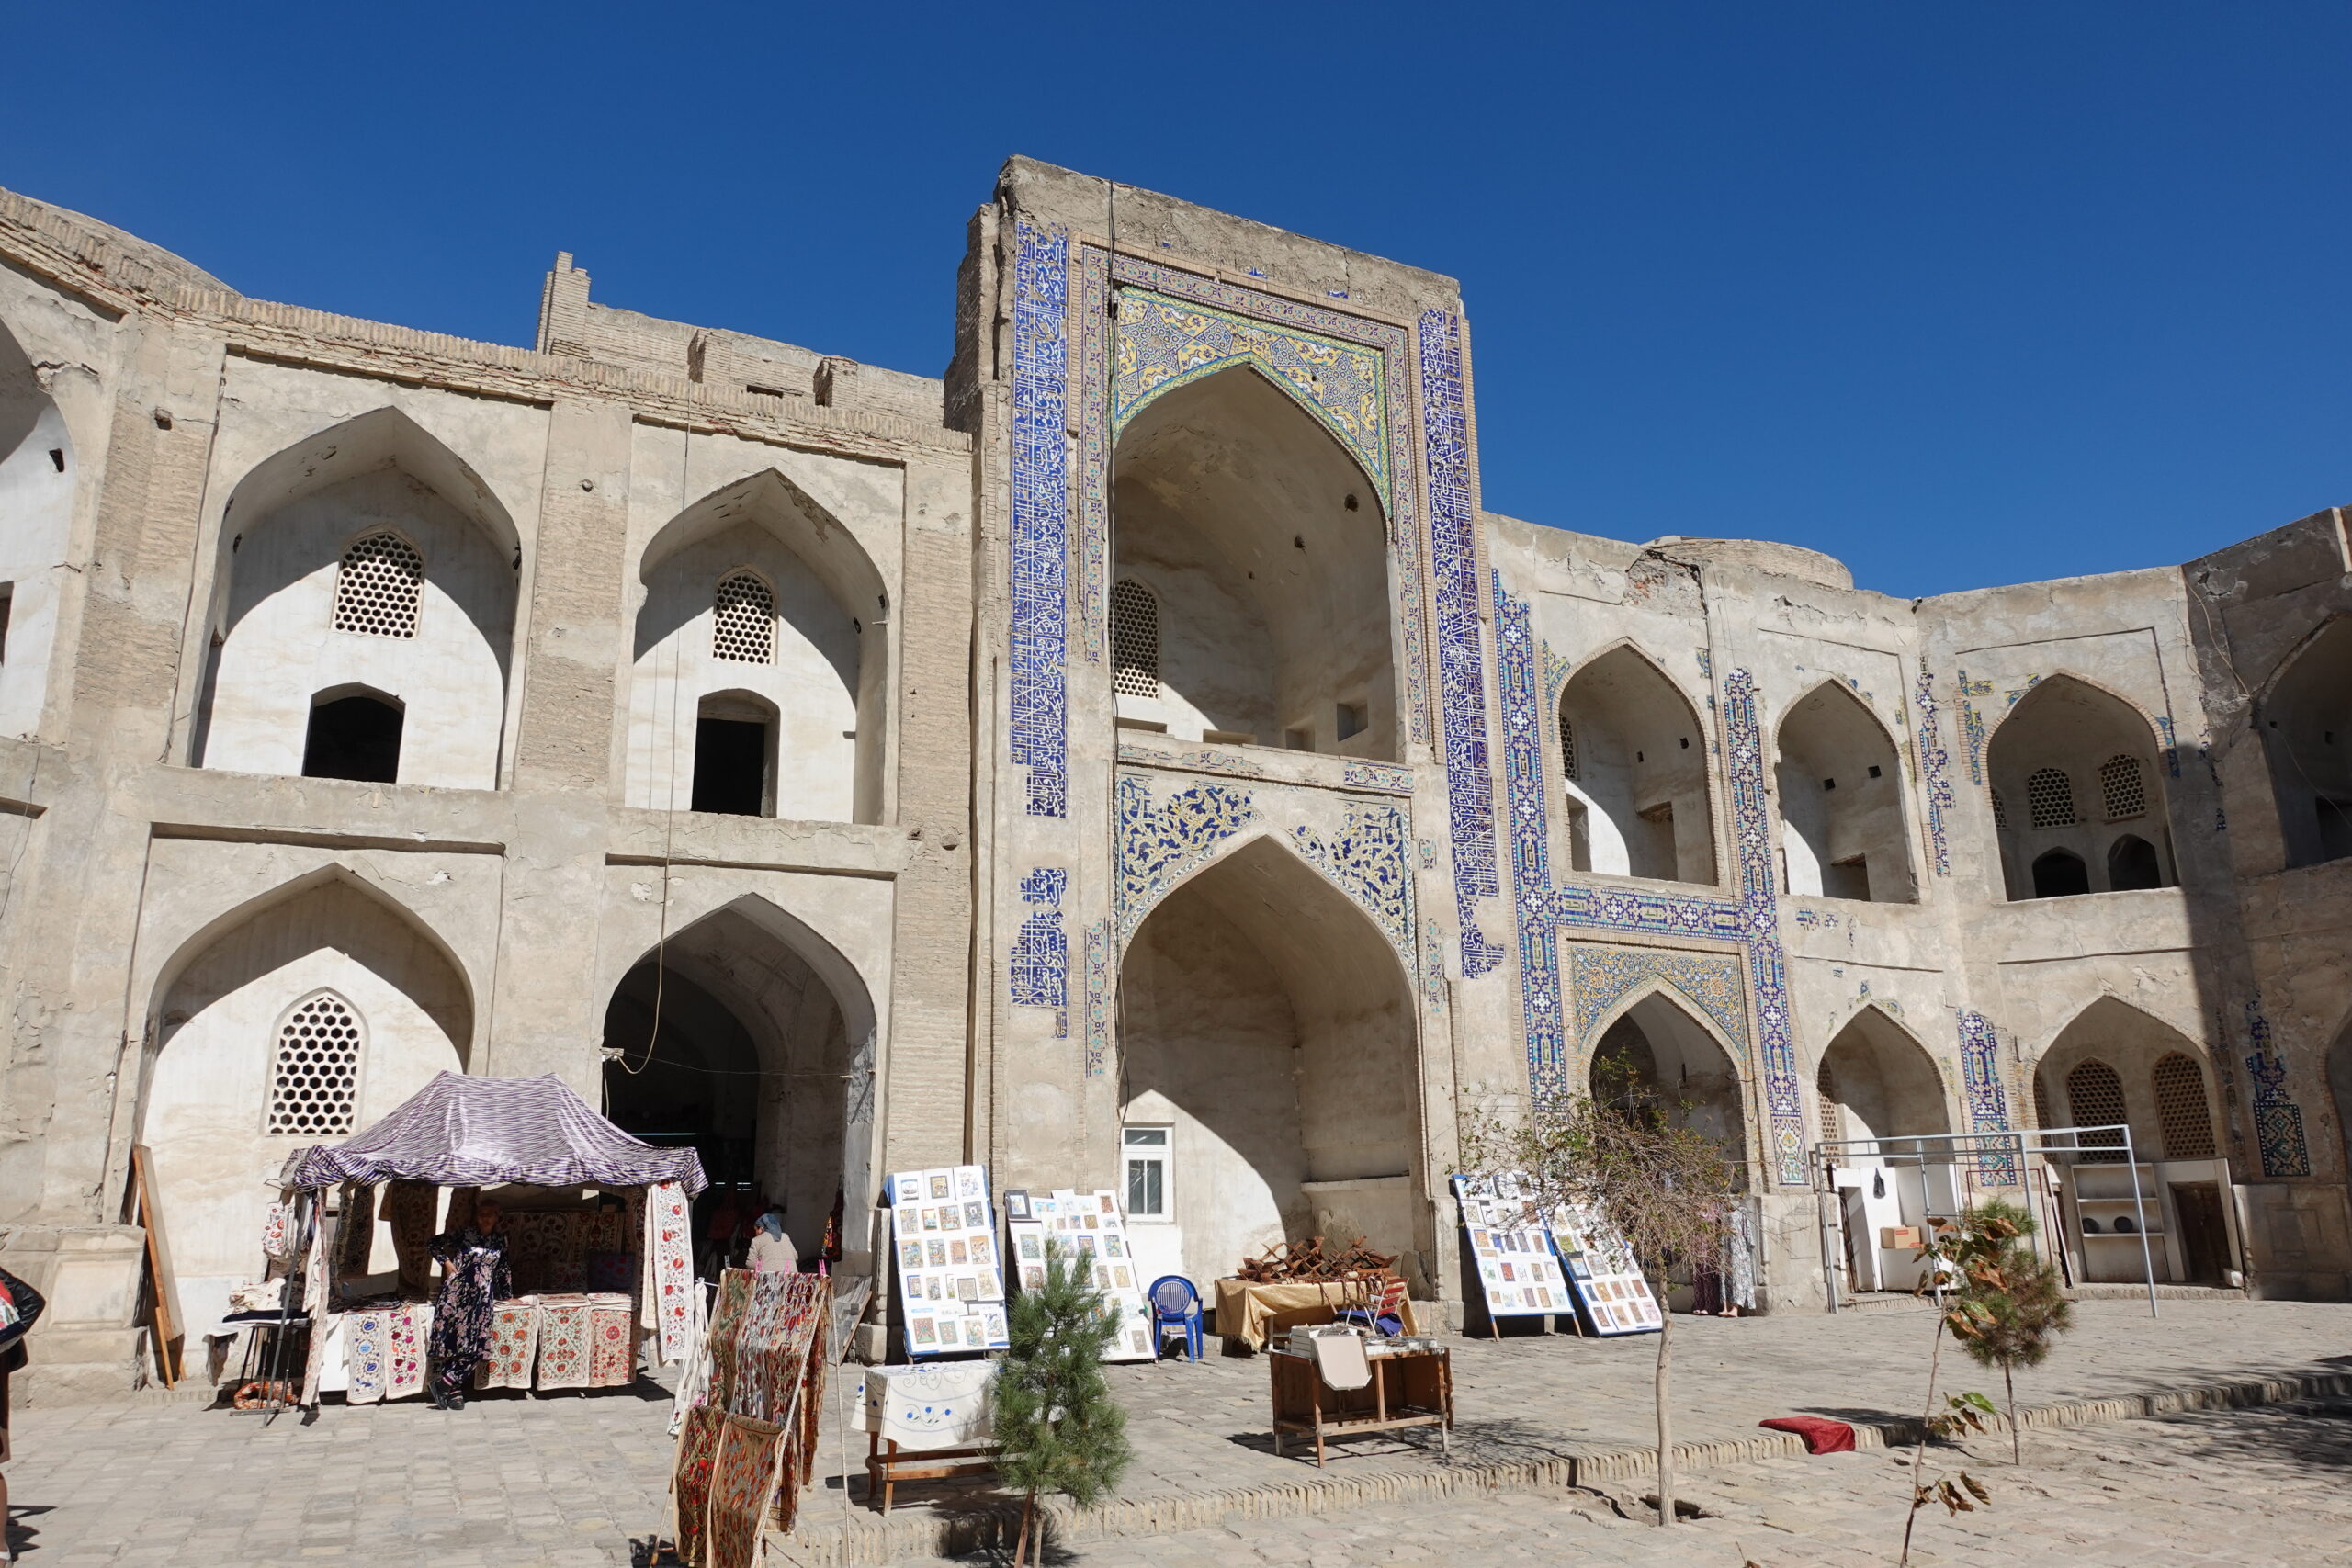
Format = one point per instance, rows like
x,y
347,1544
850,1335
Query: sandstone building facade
x,y
1135,746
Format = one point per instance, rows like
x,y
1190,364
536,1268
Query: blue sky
x,y
1960,294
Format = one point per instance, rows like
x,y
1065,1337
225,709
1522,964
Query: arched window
x,y
1135,639
743,624
2121,792
2095,1099
2060,874
377,586
2182,1113
2132,865
1568,749
2050,795
354,735
314,1086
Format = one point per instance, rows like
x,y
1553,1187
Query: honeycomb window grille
x,y
742,625
377,586
314,1090
2000,812
1135,640
1832,1124
1568,750
2050,796
2181,1110
2122,792
2041,1116
2095,1099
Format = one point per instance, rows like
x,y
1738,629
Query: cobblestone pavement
x,y
573,1479
2234,1488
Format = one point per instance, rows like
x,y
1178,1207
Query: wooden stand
x,y
887,1465
1413,1388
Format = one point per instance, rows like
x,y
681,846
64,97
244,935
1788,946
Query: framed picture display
x,y
949,1262
1608,1285
1518,1273
1088,1231
1016,1204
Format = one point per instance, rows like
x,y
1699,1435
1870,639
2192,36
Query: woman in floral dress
x,y
473,1276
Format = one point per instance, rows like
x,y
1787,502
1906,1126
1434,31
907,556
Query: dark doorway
x,y
2132,865
2204,1239
356,737
2059,874
735,756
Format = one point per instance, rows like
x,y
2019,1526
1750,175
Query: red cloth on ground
x,y
1821,1435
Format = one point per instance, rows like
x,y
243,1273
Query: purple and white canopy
x,y
467,1131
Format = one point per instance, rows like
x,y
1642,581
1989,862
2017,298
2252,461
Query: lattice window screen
x,y
1568,750
377,586
2095,1099
2123,792
2051,796
1832,1124
742,628
2000,811
1135,640
2181,1110
2042,1117
314,1091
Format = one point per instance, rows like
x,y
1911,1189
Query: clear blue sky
x,y
1960,294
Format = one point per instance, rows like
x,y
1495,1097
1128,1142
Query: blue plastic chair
x,y
1175,1304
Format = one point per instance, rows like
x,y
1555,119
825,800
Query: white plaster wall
x,y
282,648
36,528
813,680
2074,726
1830,735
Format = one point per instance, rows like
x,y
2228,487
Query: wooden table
x,y
1409,1388
887,1464
1253,1314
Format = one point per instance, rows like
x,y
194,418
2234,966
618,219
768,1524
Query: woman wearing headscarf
x,y
474,1276
771,1251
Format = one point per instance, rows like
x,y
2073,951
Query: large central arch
x,y
1267,1024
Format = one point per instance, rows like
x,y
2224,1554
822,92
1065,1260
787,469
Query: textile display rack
x,y
597,1227
748,1448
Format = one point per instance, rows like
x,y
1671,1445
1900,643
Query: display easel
x,y
143,1215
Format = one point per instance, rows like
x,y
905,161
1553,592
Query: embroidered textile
x,y
367,1348
564,1341
409,1327
690,1482
669,1240
742,1486
474,1280
513,1343
409,1206
725,1328
355,1231
547,1250
612,1271
612,1351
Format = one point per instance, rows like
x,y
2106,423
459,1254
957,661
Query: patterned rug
x,y
612,1351
690,1482
356,1231
726,1329
368,1354
410,1329
564,1341
743,1485
409,1206
513,1342
667,1245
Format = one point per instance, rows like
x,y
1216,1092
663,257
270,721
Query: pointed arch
x,y
827,663
1639,805
1883,1082
1265,541
366,552
1843,828
38,471
2305,714
2078,769
2130,1043
1360,435
1656,1040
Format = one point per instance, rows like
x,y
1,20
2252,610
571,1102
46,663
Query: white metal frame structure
x,y
1975,1151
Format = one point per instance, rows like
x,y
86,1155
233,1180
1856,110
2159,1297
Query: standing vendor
x,y
473,1276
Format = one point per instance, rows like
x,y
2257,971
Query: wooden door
x,y
2204,1238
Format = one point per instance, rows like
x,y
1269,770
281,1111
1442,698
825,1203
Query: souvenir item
x,y
942,1222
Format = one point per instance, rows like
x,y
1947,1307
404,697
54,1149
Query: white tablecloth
x,y
936,1405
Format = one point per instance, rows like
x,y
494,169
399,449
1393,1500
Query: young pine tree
x,y
1057,1425
2023,1306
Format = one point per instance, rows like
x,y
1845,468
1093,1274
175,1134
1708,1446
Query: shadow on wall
x,y
1635,764
1842,803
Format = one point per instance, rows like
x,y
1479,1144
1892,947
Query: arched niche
x,y
2306,722
1264,545
1843,834
2135,1045
212,1056
294,609
824,666
750,1038
1659,1050
1633,765
1267,1025
2075,769
1879,1093
38,472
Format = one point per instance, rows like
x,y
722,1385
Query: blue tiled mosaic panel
x,y
1988,1103
1935,764
1368,862
1709,982
1461,662
1760,906
1098,999
2277,1120
1161,843
1548,1075
1040,960
1040,523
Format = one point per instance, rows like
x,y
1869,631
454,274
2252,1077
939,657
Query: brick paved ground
x,y
572,1479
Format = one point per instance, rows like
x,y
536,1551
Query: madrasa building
x,y
1131,758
